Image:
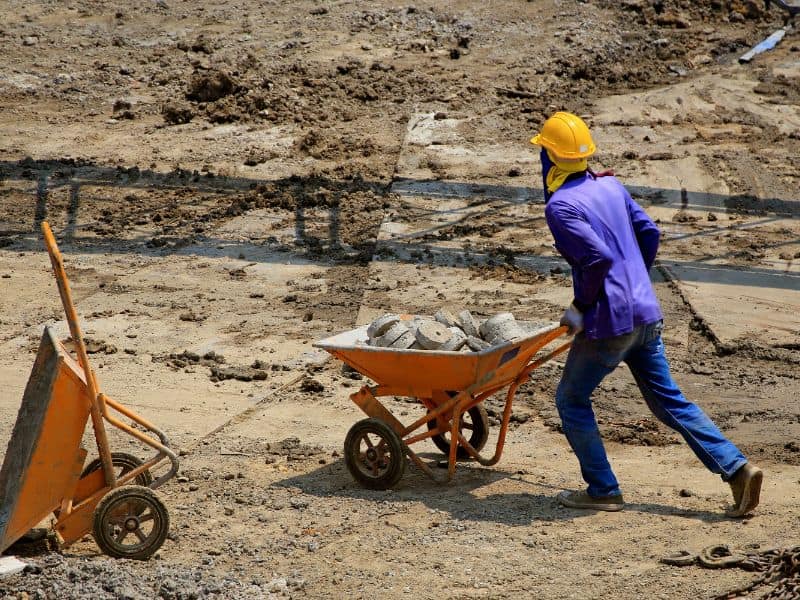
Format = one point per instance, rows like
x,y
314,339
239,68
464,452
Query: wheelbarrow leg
x,y
512,391
454,439
365,399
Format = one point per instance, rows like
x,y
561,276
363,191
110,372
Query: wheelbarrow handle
x,y
96,409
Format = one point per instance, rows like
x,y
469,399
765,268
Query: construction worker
x,y
611,244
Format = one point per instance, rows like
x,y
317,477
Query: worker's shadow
x,y
471,496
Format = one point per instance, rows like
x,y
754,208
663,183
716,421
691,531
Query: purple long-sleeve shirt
x,y
611,243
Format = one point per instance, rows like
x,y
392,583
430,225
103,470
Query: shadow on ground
x,y
317,203
463,498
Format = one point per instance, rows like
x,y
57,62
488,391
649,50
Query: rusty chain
x,y
781,571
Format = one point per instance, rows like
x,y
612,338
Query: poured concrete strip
x,y
761,306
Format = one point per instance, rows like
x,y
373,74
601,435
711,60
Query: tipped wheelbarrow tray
x,y
43,472
451,385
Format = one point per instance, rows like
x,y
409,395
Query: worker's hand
x,y
573,318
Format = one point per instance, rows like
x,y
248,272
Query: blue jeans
x,y
589,361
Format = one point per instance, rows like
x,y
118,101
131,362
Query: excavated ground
x,y
230,182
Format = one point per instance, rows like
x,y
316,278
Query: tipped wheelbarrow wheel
x,y
130,522
374,454
474,425
123,463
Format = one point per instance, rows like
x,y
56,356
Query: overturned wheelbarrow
x,y
43,471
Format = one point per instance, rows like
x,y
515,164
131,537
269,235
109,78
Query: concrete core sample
x,y
468,323
457,340
381,325
405,341
391,336
431,335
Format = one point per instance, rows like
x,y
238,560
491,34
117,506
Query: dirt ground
x,y
230,182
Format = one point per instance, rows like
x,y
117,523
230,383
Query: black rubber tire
x,y
126,463
374,454
128,508
478,421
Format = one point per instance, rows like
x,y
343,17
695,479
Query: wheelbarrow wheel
x,y
123,463
130,522
374,454
474,426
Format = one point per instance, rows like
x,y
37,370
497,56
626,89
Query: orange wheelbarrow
x,y
44,472
451,386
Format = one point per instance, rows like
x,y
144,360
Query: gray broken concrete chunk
x,y
11,565
468,323
477,344
506,332
490,327
445,317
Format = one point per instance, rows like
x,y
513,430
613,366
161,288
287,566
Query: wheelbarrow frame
x,y
447,407
82,491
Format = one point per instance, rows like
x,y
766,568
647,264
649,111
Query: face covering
x,y
560,170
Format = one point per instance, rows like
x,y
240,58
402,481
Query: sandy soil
x,y
230,182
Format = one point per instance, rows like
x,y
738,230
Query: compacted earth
x,y
231,182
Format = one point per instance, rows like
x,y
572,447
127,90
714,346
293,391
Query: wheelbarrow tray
x,y
420,372
44,458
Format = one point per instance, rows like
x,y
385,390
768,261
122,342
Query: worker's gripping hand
x,y
573,318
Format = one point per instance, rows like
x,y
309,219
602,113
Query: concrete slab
x,y
743,305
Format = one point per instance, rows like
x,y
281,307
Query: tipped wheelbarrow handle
x,y
96,410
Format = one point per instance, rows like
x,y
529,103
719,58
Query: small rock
x,y
190,316
311,385
700,369
684,493
298,503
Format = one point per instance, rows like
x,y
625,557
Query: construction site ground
x,y
232,181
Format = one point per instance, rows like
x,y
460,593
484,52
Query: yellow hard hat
x,y
566,136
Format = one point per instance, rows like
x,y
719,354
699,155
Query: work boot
x,y
582,499
746,488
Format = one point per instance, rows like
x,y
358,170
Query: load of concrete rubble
x,y
445,331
